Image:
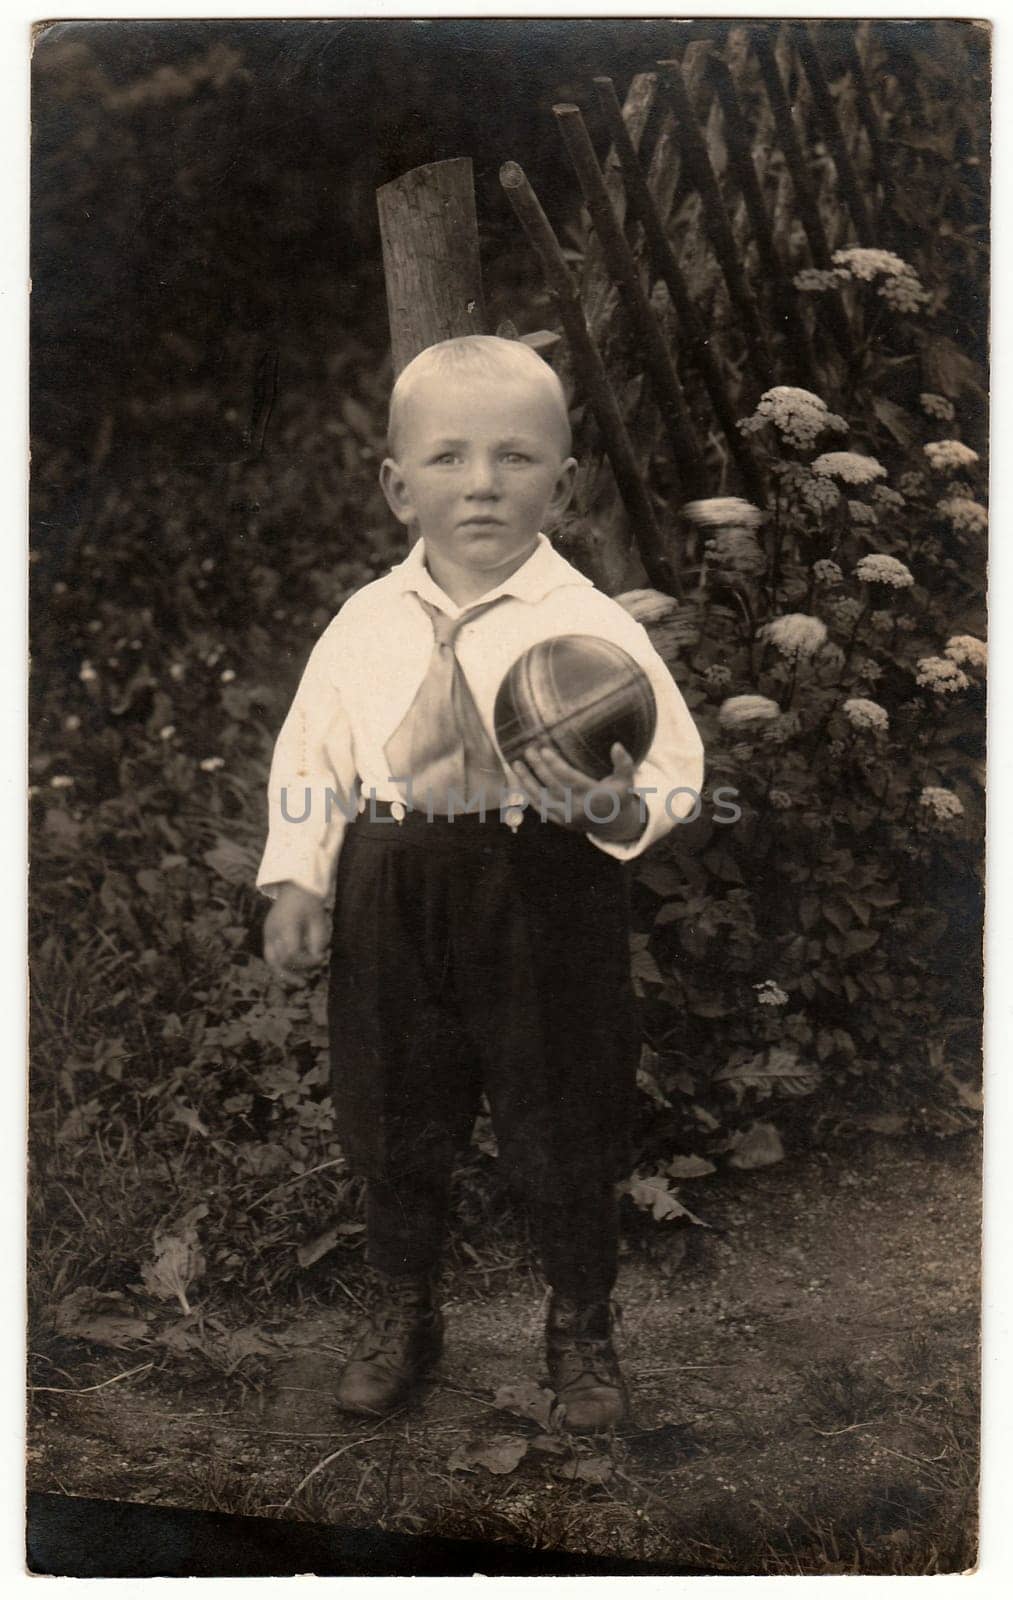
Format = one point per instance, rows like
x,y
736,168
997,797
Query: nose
x,y
483,479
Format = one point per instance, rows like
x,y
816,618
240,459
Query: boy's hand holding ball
x,y
552,783
295,931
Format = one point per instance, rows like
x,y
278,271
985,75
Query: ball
x,y
581,695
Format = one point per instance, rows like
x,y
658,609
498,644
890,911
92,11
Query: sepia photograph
x,y
507,722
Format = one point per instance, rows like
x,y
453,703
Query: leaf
x,y
500,1455
837,916
860,940
889,1122
233,862
777,1069
690,1167
723,866
646,1080
241,1343
898,422
759,1146
97,1317
948,370
178,1263
663,880
188,1117
541,340
308,1254
585,1469
526,1400
653,1194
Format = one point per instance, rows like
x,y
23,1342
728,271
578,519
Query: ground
x,y
804,1374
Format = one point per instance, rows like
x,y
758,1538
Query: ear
x,y
396,491
562,490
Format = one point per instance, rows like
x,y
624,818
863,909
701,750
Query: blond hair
x,y
480,353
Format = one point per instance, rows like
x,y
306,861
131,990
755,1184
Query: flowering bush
x,y
818,956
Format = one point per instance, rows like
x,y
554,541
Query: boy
x,y
471,952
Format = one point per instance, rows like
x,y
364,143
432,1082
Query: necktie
x,y
441,744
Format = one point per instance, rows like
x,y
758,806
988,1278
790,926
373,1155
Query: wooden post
x,y
431,265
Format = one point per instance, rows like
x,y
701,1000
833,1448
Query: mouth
x,y
481,522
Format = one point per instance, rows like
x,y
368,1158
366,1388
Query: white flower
x,y
862,514
72,723
798,415
87,673
949,455
718,675
910,483
796,634
904,294
726,512
937,405
177,671
882,621
846,611
228,675
941,675
735,550
867,715
819,494
868,264
212,764
884,569
812,280
966,515
60,780
207,565
885,496
770,993
743,709
827,572
849,466
168,732
967,651
943,803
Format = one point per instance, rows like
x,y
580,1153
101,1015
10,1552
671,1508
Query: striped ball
x,y
581,695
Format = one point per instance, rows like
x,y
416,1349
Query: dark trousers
x,y
469,959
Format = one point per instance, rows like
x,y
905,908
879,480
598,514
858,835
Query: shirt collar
x,y
543,571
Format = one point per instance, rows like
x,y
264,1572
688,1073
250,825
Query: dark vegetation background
x,y
209,376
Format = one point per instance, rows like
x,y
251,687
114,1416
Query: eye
x,y
515,456
445,458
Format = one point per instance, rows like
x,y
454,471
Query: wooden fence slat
x,y
742,171
664,379
871,122
665,266
804,199
716,221
827,111
589,368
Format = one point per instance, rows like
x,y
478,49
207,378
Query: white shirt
x,y
363,674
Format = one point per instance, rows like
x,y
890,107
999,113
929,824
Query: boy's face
x,y
480,468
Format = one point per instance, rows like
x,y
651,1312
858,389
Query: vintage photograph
x,y
507,795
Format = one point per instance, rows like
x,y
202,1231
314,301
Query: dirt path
x,y
804,1387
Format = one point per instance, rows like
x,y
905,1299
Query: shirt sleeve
x,y
670,777
312,793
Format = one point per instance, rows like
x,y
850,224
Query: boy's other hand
x,y
551,783
295,931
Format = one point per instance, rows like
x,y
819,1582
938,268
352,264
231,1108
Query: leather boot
x,y
399,1341
583,1365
